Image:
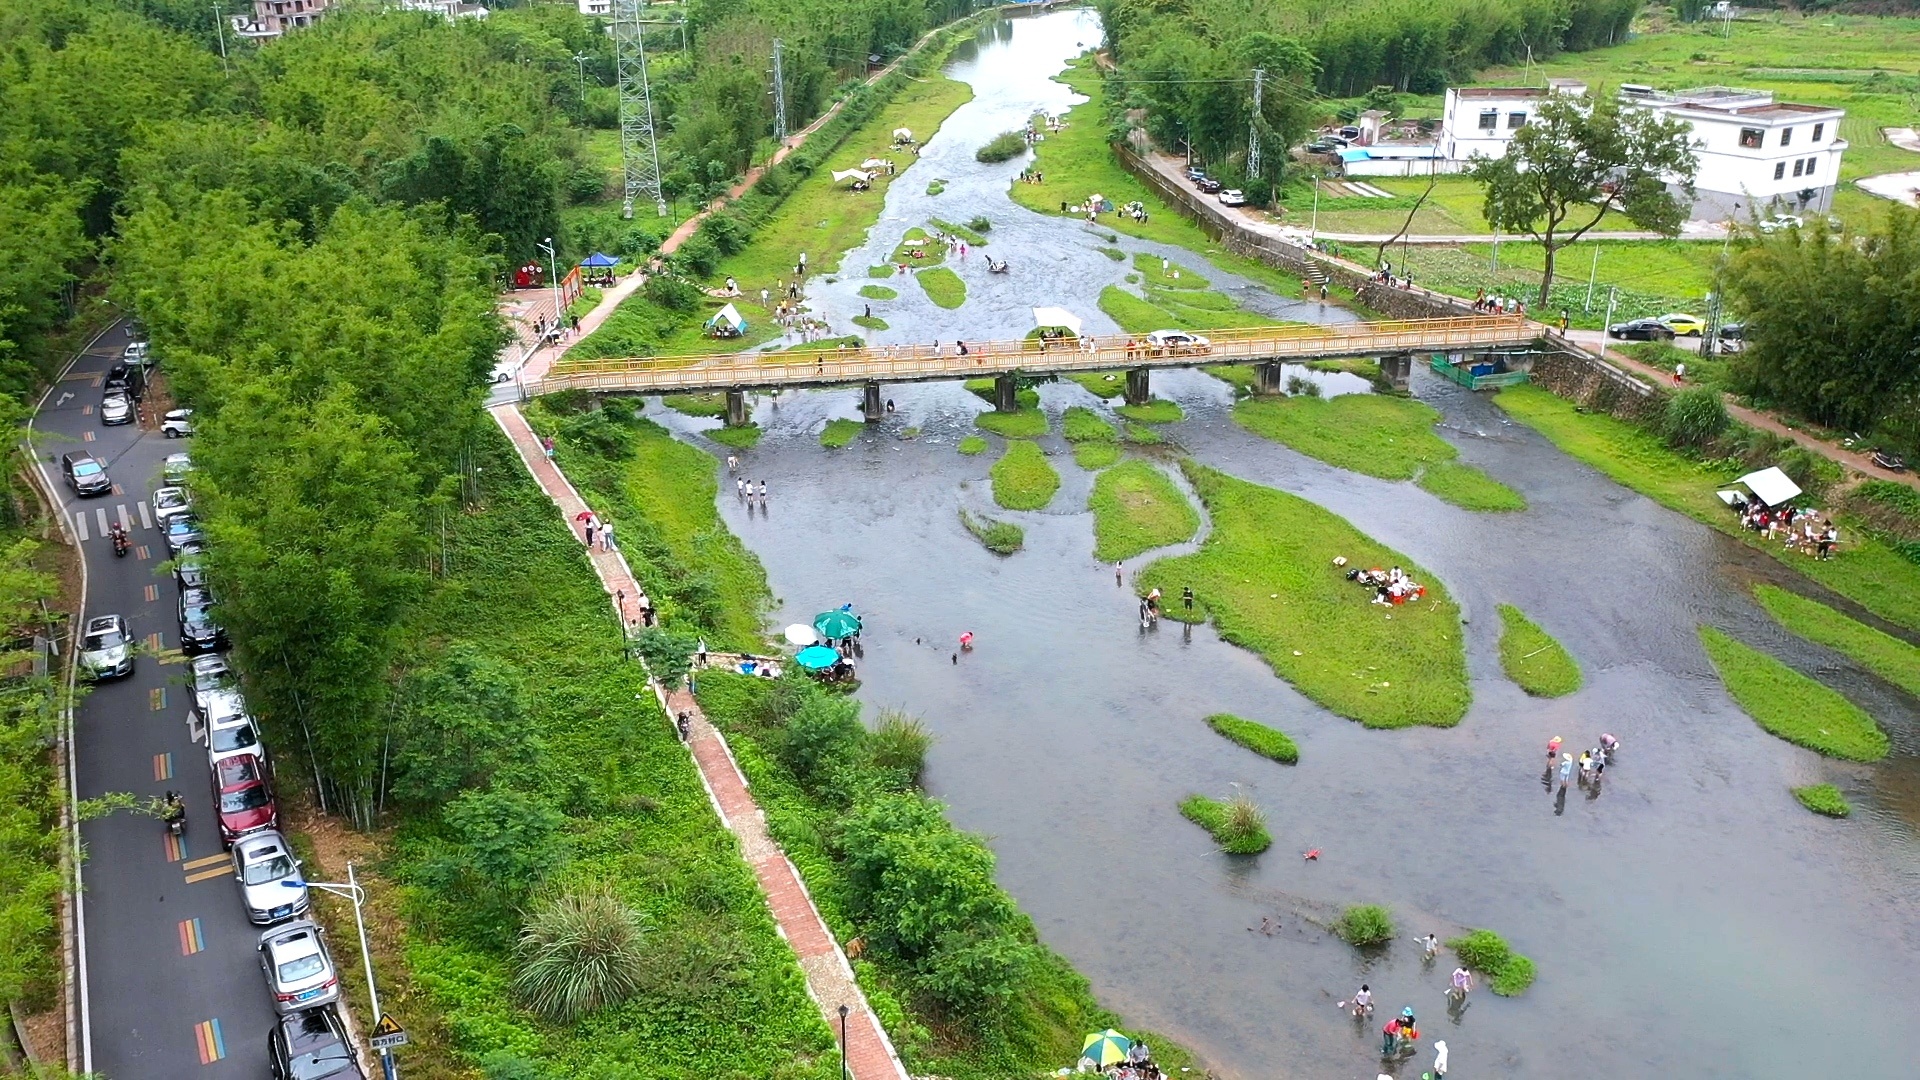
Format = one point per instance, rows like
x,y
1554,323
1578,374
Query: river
x,y
1691,920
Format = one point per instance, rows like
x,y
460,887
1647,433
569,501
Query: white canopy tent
x,y
902,134
873,163
851,174
1053,316
1771,486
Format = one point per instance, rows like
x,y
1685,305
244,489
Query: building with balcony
x,y
1756,155
271,18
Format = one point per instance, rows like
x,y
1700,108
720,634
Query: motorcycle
x,y
174,813
119,535
1889,462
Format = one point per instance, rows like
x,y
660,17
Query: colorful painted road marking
x,y
191,940
157,697
141,552
86,436
176,846
163,766
213,1046
153,593
207,868
86,410
153,641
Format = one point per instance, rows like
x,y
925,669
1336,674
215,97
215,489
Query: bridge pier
x,y
737,414
1396,370
1267,378
1138,390
871,406
1006,393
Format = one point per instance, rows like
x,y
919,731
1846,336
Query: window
x,y
1779,169
1750,138
1786,136
1818,130
1516,120
1489,119
1799,166
1811,162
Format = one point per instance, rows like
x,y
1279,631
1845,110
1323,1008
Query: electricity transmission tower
x,y
779,97
1253,126
639,153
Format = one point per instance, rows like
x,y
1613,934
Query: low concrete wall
x,y
1592,383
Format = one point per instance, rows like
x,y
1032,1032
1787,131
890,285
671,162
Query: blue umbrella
x,y
599,261
817,658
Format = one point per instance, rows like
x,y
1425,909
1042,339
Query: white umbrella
x,y
801,634
1054,316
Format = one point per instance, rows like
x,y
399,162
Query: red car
x,y
243,797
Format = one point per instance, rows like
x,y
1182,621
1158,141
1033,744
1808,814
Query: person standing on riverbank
x,y
1186,597
1553,748
1566,770
1116,574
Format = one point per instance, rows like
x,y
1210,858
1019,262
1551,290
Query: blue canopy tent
x,y
599,260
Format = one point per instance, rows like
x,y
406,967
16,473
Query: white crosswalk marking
x,y
80,523
101,513
146,522
126,521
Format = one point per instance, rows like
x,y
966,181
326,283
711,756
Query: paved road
x,y
171,986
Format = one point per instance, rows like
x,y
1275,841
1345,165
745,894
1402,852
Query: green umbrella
x,y
836,624
1105,1048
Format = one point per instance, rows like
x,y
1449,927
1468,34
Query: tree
x,y
459,724
1576,161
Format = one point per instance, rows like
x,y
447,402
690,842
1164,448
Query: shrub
x,y
507,1065
973,971
1256,737
1002,147
1694,417
979,224
824,736
597,433
1508,973
1823,799
673,293
1365,925
667,653
1237,824
1301,386
579,953
900,742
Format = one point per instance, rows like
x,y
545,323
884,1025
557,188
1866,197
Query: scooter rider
x,y
174,812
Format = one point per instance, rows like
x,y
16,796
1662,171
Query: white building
x,y
271,18
1756,155
452,9
1479,121
595,7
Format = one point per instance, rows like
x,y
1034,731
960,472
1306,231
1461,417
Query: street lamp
x,y
843,1042
581,60
553,279
352,891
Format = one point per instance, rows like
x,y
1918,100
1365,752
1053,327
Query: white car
x,y
299,972
230,730
137,353
1781,221
106,649
177,424
269,878
1233,197
1177,341
504,371
116,409
212,675
169,501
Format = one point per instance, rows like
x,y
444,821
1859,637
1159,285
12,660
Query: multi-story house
x,y
1479,121
271,18
1756,155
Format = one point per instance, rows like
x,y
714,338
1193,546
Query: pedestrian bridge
x,y
1265,347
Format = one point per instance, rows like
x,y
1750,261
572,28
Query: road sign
x,y
387,1034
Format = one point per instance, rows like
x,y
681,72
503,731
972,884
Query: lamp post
x,y
352,891
553,280
580,59
843,1041
1313,230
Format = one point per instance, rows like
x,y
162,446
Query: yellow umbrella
x,y
1105,1048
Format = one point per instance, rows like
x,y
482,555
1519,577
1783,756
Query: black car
x,y
121,380
85,475
198,632
1641,330
1323,146
312,1045
190,571
1207,184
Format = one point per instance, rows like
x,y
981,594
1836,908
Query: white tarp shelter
x,y
1053,316
852,174
1771,486
729,317
873,163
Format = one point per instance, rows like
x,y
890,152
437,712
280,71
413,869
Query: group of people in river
x,y
1592,763
1799,529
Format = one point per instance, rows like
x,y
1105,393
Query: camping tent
x,y
851,174
1046,317
727,322
599,261
902,134
1771,486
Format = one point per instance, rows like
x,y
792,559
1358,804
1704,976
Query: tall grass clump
x,y
1022,478
999,537
579,953
1002,147
1238,825
1507,972
900,742
1365,925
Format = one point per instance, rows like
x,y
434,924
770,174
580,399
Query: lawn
x,y
1257,737
1791,705
1023,479
1533,659
1277,592
1027,422
878,292
1101,384
702,405
971,445
1823,799
1881,653
942,286
1081,424
1157,411
1136,509
1381,435
839,433
1864,570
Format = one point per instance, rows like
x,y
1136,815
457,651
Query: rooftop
x,y
1574,86
1726,100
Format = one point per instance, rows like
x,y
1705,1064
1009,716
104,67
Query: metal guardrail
x,y
915,363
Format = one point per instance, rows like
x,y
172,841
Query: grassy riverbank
x,y
1257,737
1277,592
1533,659
1136,509
942,286
1379,435
725,996
1791,705
1864,570
1023,478
1881,653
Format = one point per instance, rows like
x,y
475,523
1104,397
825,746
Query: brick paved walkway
x,y
829,977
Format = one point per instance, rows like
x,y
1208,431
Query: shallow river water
x,y
1689,920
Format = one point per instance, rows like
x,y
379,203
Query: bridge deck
x,y
916,363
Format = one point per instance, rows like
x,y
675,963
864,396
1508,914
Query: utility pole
x,y
219,28
639,152
779,98
580,61
1593,275
1253,126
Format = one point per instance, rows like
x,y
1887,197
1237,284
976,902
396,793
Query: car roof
x,y
75,457
287,933
224,706
261,845
170,489
104,622
243,768
211,662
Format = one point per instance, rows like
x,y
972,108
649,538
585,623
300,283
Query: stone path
x,y
829,977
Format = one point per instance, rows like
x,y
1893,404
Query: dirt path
x,y
829,977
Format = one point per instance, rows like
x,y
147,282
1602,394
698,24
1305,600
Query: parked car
x,y
1733,337
177,424
299,972
211,674
175,468
182,531
198,632
311,1045
1177,341
119,380
85,475
1233,197
1781,221
1207,184
106,650
1349,132
269,877
1641,330
188,570
504,371
116,409
1324,146
1683,324
140,352
243,797
170,502
230,730
1195,172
